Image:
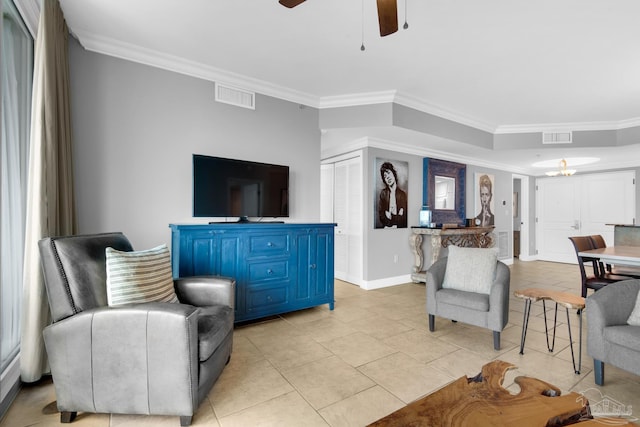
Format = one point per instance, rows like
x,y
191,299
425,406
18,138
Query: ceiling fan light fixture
x,y
562,171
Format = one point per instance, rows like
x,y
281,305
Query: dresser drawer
x,y
266,298
269,244
268,270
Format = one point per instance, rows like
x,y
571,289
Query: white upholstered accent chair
x,y
471,286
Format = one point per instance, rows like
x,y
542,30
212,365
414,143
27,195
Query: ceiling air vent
x,y
556,137
235,96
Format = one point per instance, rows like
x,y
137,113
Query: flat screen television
x,y
239,188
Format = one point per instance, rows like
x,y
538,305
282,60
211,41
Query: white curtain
x,y
50,196
17,65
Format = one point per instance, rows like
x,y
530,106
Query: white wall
x,y
136,128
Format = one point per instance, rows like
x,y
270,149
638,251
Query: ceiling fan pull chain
x,y
406,24
362,45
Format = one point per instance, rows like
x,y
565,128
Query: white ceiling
x,y
498,65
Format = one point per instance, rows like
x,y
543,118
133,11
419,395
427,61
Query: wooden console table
x,y
468,237
482,401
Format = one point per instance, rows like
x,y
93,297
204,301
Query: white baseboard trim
x,y
386,282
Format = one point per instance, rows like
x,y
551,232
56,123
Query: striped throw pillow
x,y
140,276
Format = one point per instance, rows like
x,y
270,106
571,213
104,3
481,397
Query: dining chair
x,y
633,273
598,279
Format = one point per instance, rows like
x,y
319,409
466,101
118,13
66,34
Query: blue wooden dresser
x,y
278,267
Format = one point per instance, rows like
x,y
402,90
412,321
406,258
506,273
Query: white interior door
x,y
326,192
558,217
347,214
608,198
579,206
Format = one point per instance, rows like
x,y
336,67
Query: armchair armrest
x,y
435,277
202,291
106,359
609,306
499,298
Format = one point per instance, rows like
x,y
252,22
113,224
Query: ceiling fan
x,y
387,14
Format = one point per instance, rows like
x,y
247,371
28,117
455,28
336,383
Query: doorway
x,y
521,224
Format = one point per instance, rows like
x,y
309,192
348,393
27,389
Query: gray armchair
x,y
150,358
486,311
609,338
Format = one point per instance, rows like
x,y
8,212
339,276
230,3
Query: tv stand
x,y
278,267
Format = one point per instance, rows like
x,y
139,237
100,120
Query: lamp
x,y
563,170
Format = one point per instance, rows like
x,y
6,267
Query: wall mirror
x,y
444,190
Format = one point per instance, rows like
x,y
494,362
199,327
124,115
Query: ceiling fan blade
x,y
290,3
387,17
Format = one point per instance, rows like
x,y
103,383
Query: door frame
x,y
525,226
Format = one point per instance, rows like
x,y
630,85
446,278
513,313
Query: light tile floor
x,y
370,356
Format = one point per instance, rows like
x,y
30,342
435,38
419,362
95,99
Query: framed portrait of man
x,y
485,205
391,189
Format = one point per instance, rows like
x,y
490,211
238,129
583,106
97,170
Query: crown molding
x,y
444,155
357,99
180,65
436,110
567,127
134,53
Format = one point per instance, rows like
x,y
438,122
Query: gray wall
x,y
136,127
502,196
380,245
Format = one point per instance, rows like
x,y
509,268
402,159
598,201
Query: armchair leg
x,y
186,420
432,322
67,417
598,371
496,340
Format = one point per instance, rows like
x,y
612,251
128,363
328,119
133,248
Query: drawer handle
x,y
270,244
269,271
312,266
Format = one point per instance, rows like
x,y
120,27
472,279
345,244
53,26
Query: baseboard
x,y
386,282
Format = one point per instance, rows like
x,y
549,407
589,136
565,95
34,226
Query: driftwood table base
x,y
482,401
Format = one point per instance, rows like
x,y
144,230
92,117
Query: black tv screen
x,y
239,188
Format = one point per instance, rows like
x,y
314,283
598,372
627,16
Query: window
x,y
17,76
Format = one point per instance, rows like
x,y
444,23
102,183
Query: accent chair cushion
x,y
634,318
139,276
470,269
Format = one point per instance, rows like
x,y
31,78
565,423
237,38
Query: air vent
x,y
235,96
556,137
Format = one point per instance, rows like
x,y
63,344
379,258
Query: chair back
x,y
597,241
583,243
74,269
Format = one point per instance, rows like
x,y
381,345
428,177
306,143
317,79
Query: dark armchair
x,y
152,358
